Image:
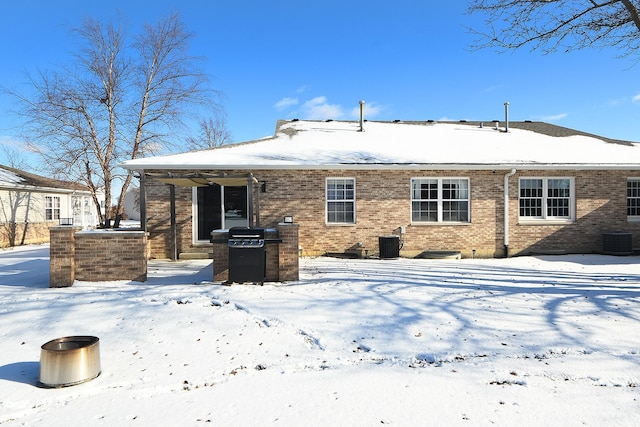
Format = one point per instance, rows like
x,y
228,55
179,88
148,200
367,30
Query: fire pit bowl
x,y
69,361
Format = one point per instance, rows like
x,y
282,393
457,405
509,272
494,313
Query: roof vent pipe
x,y
361,116
506,117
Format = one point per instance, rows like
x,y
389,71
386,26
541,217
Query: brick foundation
x,y
24,233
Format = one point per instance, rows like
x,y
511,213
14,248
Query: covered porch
x,y
218,202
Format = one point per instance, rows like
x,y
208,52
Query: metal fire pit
x,y
69,361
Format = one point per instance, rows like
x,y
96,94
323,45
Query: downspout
x,y
506,211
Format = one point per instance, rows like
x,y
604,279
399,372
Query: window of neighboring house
x,y
52,208
440,200
633,199
546,199
217,207
341,200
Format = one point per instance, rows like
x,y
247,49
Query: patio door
x,y
235,207
219,207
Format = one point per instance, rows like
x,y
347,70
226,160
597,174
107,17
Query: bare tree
x,y
117,101
213,133
552,25
13,157
15,205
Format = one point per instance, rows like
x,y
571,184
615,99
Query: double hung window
x,y
633,199
546,199
52,208
439,200
341,200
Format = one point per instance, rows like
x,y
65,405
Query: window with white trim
x,y
341,200
546,199
633,198
440,200
52,208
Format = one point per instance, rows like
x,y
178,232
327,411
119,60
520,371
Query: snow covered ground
x,y
551,340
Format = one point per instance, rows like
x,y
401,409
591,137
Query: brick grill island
x,y
96,255
282,263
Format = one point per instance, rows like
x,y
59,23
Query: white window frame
x,y
338,200
50,206
439,200
545,198
636,197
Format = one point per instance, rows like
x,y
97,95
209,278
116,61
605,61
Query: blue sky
x,y
408,60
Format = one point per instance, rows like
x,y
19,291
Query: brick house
x,y
30,204
484,190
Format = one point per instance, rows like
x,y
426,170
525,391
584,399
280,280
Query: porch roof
x,y
196,179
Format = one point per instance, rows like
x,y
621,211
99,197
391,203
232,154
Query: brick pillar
x,y
220,255
288,262
220,262
62,255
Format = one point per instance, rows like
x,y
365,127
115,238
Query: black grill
x,y
247,255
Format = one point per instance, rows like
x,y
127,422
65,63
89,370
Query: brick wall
x,y
96,255
384,204
110,255
600,208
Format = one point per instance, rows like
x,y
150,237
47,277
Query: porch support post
x,y
143,201
174,245
258,191
250,194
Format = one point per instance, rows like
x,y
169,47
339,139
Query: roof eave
x,y
34,188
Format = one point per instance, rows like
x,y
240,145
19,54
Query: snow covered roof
x,y
301,144
11,178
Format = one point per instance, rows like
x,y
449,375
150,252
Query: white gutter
x,y
506,211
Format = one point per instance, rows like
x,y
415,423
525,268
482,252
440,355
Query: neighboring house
x,y
483,189
30,204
